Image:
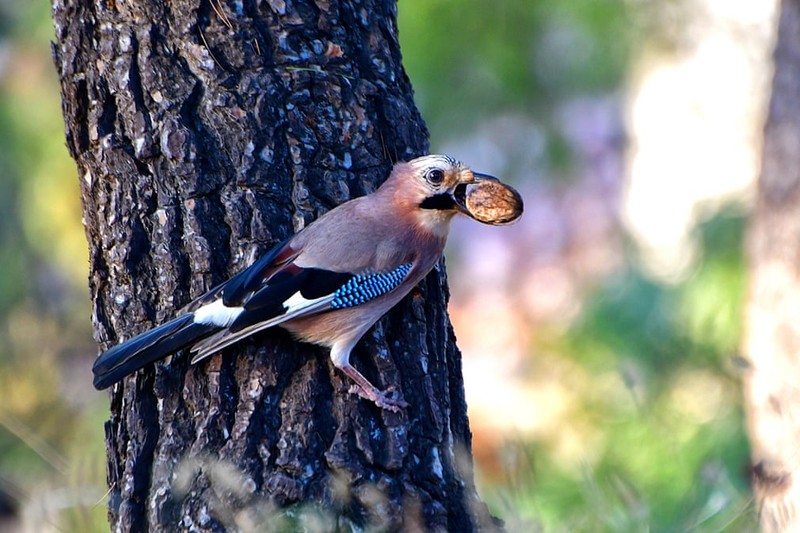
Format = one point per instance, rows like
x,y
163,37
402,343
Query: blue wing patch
x,y
365,287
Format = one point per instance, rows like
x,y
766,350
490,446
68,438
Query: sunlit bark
x,y
772,340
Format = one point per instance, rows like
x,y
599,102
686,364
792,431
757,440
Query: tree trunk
x,y
204,133
772,338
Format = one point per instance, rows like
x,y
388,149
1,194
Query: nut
x,y
493,202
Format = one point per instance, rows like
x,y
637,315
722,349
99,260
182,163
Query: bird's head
x,y
433,188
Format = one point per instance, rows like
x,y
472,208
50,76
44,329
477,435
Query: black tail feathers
x,y
150,346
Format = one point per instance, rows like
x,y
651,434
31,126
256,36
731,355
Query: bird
x,y
328,284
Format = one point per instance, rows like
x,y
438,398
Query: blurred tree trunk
x,y
204,133
772,339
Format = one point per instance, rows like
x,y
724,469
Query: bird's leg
x,y
368,391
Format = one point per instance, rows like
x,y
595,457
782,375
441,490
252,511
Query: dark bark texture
x,y
206,131
772,339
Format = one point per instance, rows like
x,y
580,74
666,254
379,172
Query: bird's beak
x,y
480,177
459,193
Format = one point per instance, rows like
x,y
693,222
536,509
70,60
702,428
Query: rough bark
x,y
206,131
772,339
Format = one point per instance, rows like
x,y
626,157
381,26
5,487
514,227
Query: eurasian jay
x,y
327,284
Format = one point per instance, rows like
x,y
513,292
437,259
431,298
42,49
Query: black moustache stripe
x,y
442,201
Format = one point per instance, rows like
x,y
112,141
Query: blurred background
x,y
599,333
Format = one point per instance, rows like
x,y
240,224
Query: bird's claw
x,y
380,398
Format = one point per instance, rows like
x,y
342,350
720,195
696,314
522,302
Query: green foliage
x,y
664,397
51,427
509,56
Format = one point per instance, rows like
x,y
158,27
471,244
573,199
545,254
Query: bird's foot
x,y
381,398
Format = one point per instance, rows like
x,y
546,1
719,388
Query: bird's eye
x,y
435,176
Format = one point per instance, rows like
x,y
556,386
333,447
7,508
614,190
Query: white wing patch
x,y
225,338
296,302
217,313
